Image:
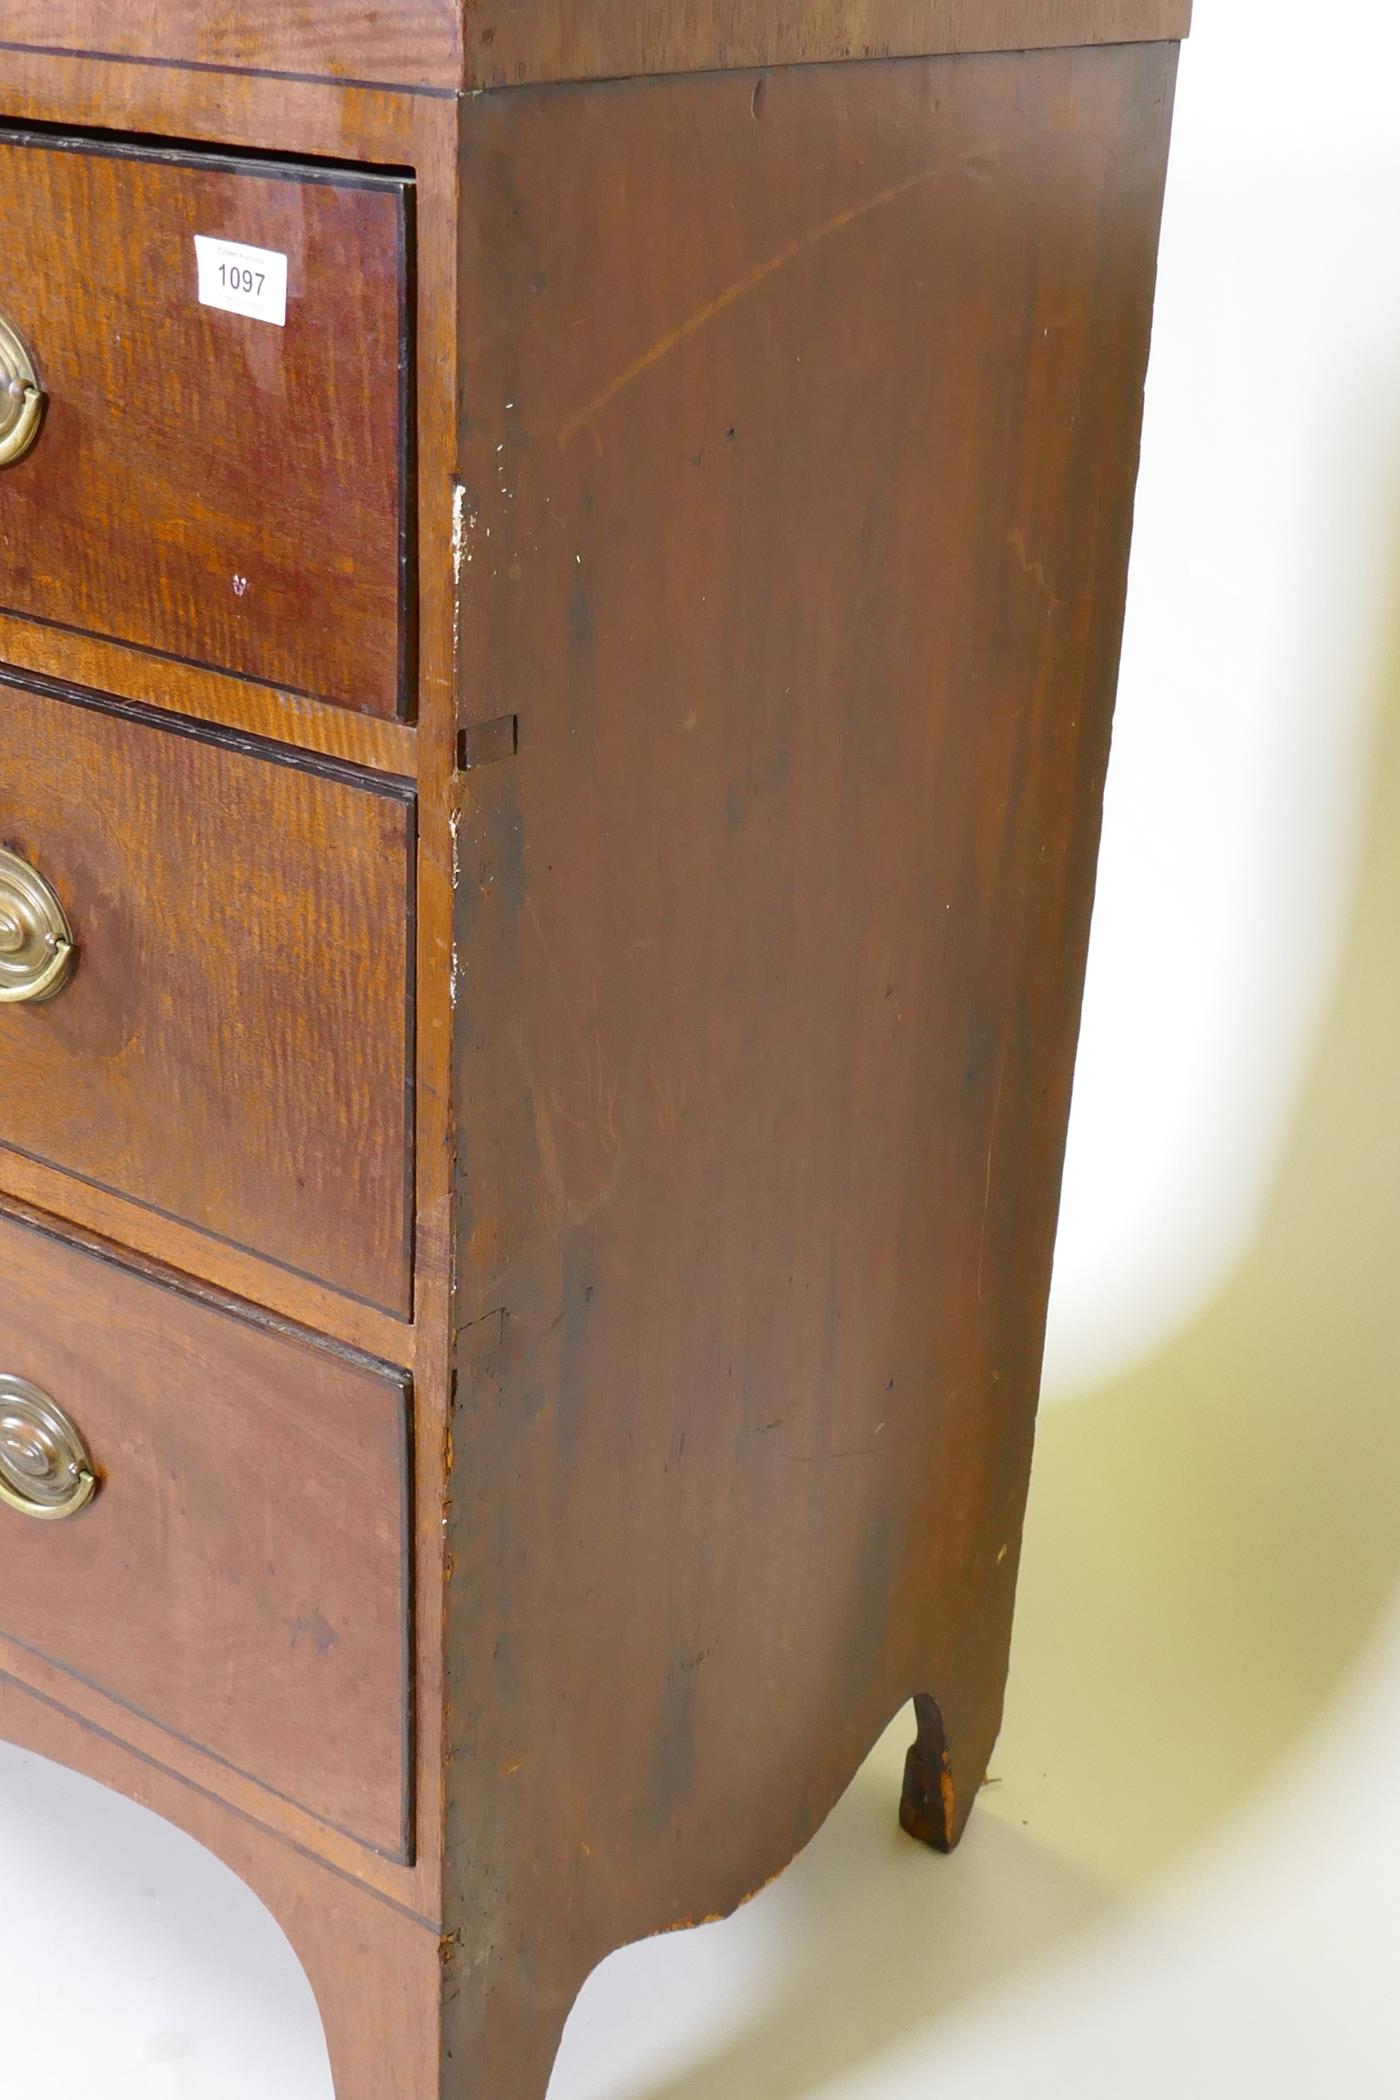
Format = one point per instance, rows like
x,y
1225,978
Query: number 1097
x,y
237,277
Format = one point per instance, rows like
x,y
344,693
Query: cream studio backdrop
x,y
1181,1876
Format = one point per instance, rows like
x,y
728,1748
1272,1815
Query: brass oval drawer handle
x,y
37,953
21,397
45,1471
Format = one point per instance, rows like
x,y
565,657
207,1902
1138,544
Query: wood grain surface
x,y
67,658
146,1234
799,445
242,1575
785,426
208,485
235,1047
514,41
412,43
444,45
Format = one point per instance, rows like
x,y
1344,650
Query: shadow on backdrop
x,y
1213,1540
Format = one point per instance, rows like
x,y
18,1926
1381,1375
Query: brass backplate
x,y
21,397
37,952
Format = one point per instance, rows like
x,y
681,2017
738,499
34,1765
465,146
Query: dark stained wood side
x,y
447,44
799,436
242,1575
234,1048
209,486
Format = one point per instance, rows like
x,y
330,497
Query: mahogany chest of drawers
x,y
561,571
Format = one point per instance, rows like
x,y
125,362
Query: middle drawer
x,y
233,1048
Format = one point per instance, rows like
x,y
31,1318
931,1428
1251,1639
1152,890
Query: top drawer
x,y
218,486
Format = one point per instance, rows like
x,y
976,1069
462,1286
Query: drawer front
x,y
209,484
241,1575
233,1048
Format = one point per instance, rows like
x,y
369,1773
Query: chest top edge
x,y
445,47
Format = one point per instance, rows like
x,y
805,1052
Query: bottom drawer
x,y
241,1574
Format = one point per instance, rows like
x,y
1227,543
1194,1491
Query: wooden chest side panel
x,y
800,431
